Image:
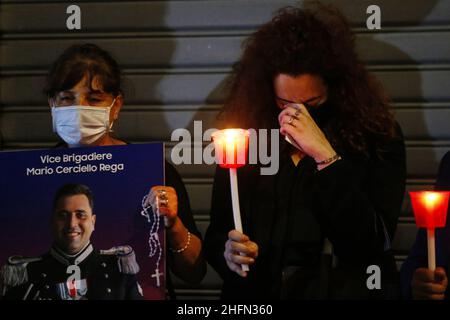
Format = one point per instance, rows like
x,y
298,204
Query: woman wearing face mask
x,y
85,96
312,230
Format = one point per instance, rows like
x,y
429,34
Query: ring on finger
x,y
162,194
163,202
291,119
163,197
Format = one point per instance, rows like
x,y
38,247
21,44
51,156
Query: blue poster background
x,y
27,199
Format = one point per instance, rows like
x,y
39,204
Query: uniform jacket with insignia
x,y
90,274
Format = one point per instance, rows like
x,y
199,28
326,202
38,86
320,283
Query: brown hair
x,y
314,40
81,60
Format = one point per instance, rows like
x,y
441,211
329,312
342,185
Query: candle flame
x,y
431,198
231,136
231,147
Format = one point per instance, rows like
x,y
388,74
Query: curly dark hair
x,y
314,40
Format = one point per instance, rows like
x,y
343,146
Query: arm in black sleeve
x,y
360,216
189,265
174,180
221,223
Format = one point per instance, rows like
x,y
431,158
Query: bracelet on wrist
x,y
329,160
188,242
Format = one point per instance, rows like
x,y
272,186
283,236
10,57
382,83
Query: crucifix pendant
x,y
156,275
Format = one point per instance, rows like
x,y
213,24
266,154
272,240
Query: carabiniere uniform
x,y
90,274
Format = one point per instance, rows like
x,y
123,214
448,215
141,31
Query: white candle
x,y
431,250
236,208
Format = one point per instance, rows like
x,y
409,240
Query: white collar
x,y
66,259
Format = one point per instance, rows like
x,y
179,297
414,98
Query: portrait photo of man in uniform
x,y
81,235
73,269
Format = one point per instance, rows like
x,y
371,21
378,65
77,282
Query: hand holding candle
x,y
430,210
239,250
231,147
429,285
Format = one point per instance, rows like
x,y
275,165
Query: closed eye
x,y
309,101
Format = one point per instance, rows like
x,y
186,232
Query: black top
x,y
173,179
300,234
291,213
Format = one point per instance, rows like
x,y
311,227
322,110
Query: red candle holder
x,y
231,147
430,208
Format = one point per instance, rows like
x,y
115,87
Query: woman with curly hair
x,y
313,229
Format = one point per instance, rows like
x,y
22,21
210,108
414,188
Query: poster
x,y
119,178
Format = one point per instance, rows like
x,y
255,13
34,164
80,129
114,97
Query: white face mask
x,y
81,125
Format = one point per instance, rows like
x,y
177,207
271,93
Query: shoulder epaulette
x,y
14,272
125,257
